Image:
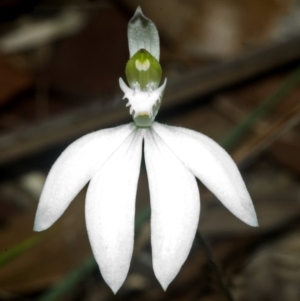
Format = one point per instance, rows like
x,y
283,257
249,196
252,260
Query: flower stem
x,y
215,266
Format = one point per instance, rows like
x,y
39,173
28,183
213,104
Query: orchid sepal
x,y
142,34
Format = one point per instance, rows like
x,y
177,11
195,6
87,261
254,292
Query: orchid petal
x,y
142,34
213,166
110,209
73,169
175,208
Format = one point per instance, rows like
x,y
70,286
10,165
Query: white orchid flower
x,y
110,159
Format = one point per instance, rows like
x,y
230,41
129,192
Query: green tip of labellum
x,y
143,71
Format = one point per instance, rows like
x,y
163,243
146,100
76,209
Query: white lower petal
x,y
73,169
110,208
213,166
175,208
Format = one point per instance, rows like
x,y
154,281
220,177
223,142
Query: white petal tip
x,y
114,284
253,222
115,289
43,221
164,286
114,277
164,282
250,220
249,216
36,229
39,225
165,275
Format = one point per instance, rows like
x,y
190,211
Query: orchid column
x,y
110,159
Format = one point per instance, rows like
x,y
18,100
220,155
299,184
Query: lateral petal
x,y
213,166
73,169
175,208
110,208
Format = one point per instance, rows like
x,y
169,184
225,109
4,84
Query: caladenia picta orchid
x,y
110,159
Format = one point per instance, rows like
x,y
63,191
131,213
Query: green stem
x,y
19,249
70,280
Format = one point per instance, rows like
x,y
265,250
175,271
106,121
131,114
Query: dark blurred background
x,y
233,74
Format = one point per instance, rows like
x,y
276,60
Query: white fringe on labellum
x,y
142,102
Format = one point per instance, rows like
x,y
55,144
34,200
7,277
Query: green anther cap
x,y
143,71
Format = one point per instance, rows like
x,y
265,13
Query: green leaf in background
x,y
70,280
19,249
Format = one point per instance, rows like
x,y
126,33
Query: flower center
x,y
143,71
